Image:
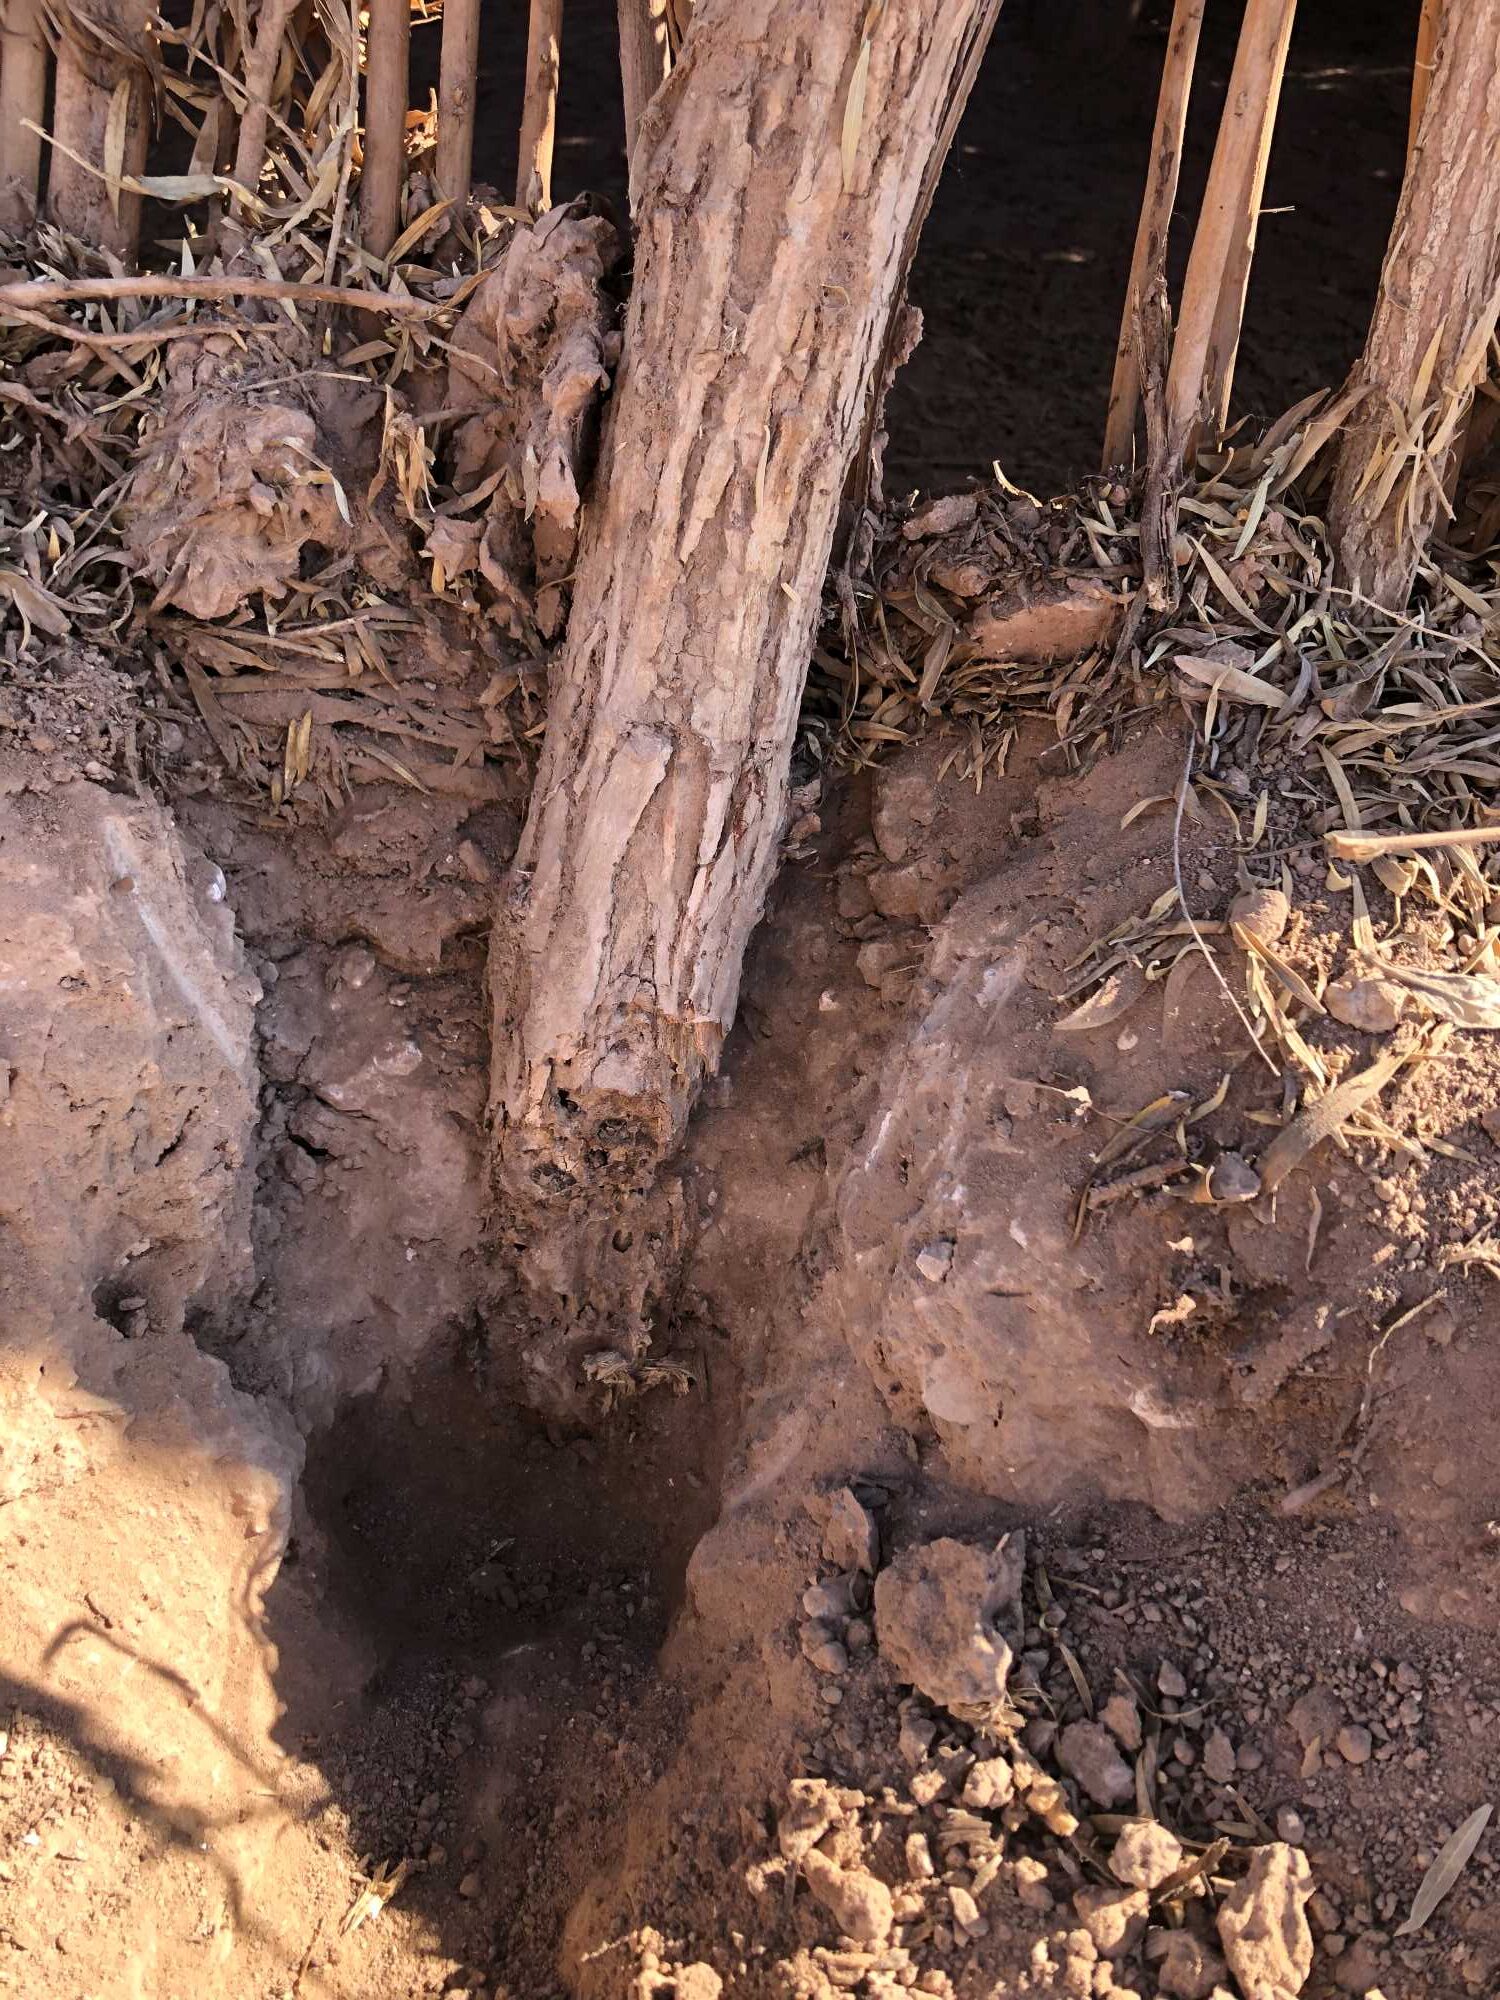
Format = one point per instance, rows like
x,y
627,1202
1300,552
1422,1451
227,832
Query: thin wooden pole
x,y
1421,76
645,60
458,83
101,113
1218,273
1150,253
539,110
23,96
387,58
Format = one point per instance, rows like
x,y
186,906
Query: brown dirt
x,y
562,1673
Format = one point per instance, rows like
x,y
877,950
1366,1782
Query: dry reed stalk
x,y
261,65
1213,293
102,118
1421,76
387,58
539,110
1149,256
1435,316
458,84
645,59
23,97
31,293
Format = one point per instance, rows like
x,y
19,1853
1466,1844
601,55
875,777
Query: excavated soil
x,y
300,1598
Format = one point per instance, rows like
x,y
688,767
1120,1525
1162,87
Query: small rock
x,y
1145,1855
1122,1719
1190,1969
1291,1826
1171,1682
935,1261
835,1597
1030,1877
919,1863
1263,1926
698,1982
936,1607
1316,1717
966,1912
916,1739
858,1902
1114,1918
1263,912
1356,1968
1374,1006
470,1885
990,1785
828,1656
1218,1758
1354,1745
1088,1752
851,1539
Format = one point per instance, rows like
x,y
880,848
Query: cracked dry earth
x,y
999,1609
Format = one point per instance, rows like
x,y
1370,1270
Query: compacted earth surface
x,y
1040,1562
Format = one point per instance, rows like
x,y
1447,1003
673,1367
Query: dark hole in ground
x,y
1022,267
467,1640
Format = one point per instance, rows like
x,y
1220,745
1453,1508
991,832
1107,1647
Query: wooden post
x,y
1213,293
1421,75
645,60
387,55
23,96
102,114
656,816
1434,317
1149,256
458,81
539,108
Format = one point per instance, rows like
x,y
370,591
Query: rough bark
x,y
1149,258
539,106
1439,295
772,239
102,51
458,79
387,78
23,98
645,59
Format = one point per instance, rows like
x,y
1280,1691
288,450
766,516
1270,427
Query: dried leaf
x,y
1115,997
1227,680
1451,1860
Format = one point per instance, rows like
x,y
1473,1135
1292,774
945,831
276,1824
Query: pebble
x,y
1354,1744
1171,1683
1291,1826
469,1885
859,1903
1219,1762
1088,1752
990,1785
1114,1918
851,1540
1122,1719
1145,1855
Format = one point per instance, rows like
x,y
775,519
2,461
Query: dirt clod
x,y
1263,1927
1145,1855
936,1607
1088,1753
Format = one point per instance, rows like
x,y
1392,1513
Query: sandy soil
x,y
298,1592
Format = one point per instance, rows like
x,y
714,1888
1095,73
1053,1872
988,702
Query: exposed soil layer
x,y
560,1680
